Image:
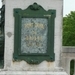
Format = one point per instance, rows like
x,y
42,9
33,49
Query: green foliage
x,y
69,29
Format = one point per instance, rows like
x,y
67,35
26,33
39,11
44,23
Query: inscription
x,y
37,25
48,16
33,38
34,35
31,44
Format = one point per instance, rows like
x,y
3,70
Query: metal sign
x,y
34,34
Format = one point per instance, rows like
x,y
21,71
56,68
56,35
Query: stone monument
x,y
33,37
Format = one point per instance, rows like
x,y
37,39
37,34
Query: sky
x,y
68,5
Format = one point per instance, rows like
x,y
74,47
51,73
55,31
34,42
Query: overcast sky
x,y
69,5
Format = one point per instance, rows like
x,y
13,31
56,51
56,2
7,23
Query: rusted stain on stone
x,y
48,64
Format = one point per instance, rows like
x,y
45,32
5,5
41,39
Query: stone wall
x,y
68,54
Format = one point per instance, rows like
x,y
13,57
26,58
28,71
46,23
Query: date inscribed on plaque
x,y
34,35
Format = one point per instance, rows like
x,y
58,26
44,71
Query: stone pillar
x,y
66,63
51,68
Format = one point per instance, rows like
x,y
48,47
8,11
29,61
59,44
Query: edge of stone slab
x,y
31,73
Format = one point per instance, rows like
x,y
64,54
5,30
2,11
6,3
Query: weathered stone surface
x,y
31,73
68,49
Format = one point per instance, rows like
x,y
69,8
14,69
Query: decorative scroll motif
x,y
35,6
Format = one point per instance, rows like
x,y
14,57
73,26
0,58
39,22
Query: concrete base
x,y
31,73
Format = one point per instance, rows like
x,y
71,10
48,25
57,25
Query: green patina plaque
x,y
34,34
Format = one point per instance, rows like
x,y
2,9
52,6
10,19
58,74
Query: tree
x,y
69,29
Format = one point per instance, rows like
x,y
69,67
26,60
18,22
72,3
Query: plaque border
x,y
34,11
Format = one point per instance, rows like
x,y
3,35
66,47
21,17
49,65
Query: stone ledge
x,y
31,73
68,49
